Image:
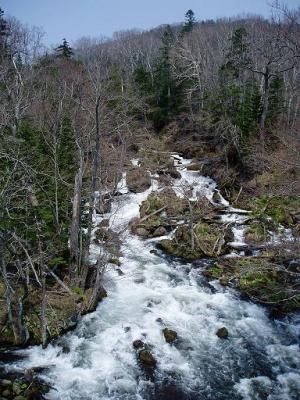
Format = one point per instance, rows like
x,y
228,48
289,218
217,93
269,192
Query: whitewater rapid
x,y
260,359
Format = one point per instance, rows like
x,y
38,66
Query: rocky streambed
x,y
173,325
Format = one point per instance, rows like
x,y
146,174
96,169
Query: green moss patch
x,y
265,282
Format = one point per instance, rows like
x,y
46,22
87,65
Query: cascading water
x,y
260,360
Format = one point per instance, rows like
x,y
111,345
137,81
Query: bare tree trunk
x,y
75,260
265,106
92,202
97,286
14,305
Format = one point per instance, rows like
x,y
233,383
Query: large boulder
x,y
142,232
194,167
138,180
256,233
160,231
207,240
212,239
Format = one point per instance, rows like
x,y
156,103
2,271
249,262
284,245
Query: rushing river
x,y
260,359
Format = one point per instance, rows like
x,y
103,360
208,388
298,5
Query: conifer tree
x,y
64,50
3,34
190,21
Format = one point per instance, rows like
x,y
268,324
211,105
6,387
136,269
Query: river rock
x,y
169,335
104,223
119,271
160,231
142,232
138,180
138,344
222,333
174,173
6,393
20,398
5,382
154,251
146,357
194,167
66,349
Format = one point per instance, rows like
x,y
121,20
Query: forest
x,y
141,117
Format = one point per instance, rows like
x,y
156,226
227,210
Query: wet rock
x,y
104,207
5,382
120,272
172,171
103,234
28,375
66,349
115,261
159,320
153,251
294,266
222,333
6,393
194,167
104,223
142,232
146,357
138,344
127,329
160,231
224,281
139,279
170,335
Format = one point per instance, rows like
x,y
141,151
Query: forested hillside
x,y
224,93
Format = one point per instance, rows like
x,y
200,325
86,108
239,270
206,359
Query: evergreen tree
x,y
190,21
3,34
64,50
165,94
276,103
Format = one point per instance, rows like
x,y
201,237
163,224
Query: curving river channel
x,y
260,359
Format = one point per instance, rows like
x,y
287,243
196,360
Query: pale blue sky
x,y
76,18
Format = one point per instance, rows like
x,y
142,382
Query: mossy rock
x,y
282,210
256,233
212,239
263,281
174,206
150,227
180,250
